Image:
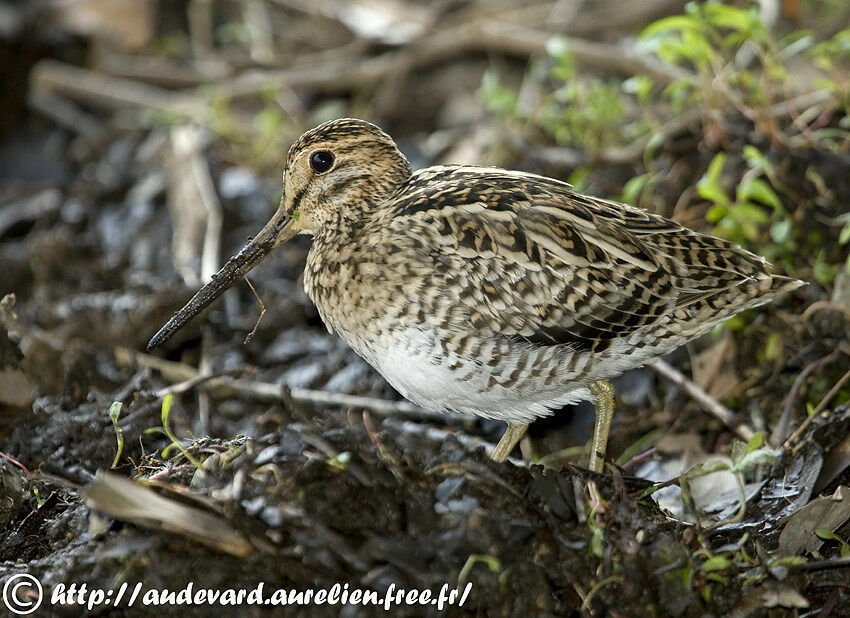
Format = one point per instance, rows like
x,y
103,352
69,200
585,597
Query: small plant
x,y
255,141
585,112
497,98
492,563
741,219
828,56
38,499
165,429
339,461
114,414
574,111
718,42
596,507
744,457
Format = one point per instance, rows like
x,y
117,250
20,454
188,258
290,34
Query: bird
x,y
490,292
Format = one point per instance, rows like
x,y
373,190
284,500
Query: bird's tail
x,y
780,284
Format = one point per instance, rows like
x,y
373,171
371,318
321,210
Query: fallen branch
x,y
193,206
94,88
30,209
709,403
488,36
224,386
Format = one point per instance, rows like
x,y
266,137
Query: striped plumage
x,y
494,292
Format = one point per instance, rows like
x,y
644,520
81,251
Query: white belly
x,y
413,363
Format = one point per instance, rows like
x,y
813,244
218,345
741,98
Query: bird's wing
x,y
531,258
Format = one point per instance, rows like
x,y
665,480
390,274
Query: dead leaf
x,y
769,594
129,501
830,512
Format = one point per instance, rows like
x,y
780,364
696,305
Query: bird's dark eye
x,y
321,161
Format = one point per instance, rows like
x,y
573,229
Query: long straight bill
x,y
276,232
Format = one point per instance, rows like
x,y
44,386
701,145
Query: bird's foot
x,y
512,435
603,391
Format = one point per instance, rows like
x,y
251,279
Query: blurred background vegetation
x,y
688,109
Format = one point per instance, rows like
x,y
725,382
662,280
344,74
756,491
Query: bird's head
x,y
332,172
336,170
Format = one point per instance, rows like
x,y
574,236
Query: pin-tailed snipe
x,y
486,291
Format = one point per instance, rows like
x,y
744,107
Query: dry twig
x,y
709,403
222,386
791,400
818,409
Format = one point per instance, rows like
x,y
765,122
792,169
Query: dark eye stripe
x,y
296,201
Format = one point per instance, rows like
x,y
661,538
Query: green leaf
x,y
827,535
115,411
579,178
715,168
796,43
713,192
638,445
633,188
495,97
822,270
759,191
641,86
597,546
750,460
725,16
675,23
706,468
715,563
166,408
756,159
716,577
756,442
716,213
747,212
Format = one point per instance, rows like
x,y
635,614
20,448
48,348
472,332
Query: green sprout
x,y
339,461
165,429
491,561
114,414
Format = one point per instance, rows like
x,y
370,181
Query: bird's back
x,y
532,258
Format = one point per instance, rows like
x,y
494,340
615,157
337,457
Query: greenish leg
x,y
512,435
603,391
